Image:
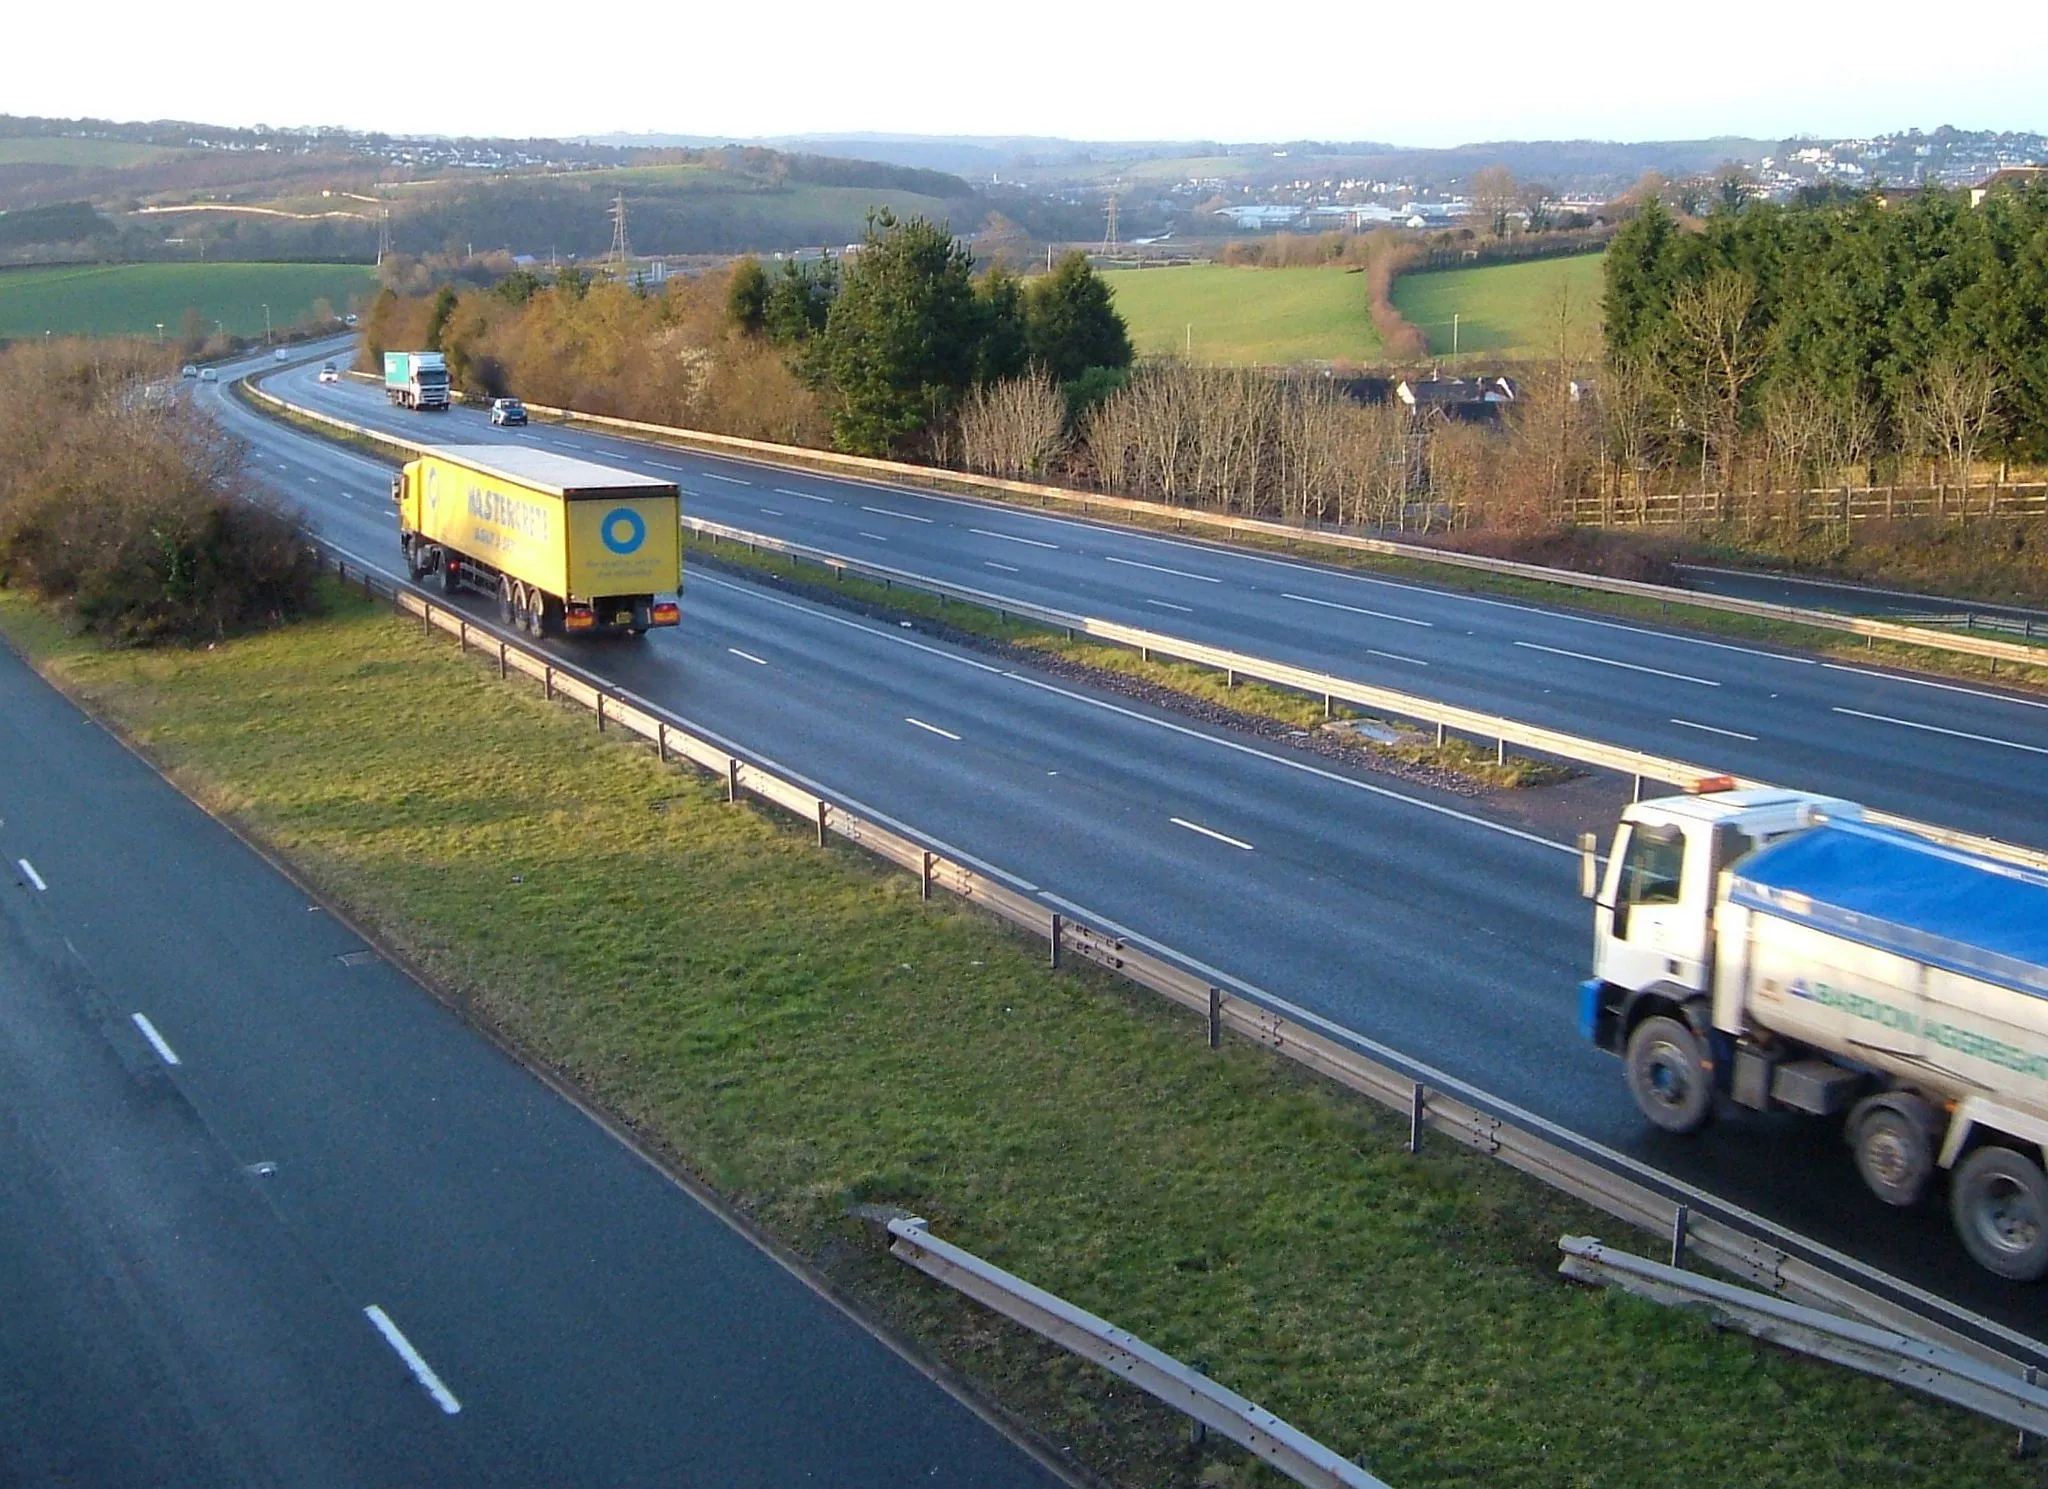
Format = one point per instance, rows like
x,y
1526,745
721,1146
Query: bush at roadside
x,y
128,508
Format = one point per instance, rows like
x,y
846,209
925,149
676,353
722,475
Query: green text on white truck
x,y
1771,950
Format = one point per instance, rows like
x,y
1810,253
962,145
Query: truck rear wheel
x,y
1893,1139
506,607
451,577
1668,1076
1999,1201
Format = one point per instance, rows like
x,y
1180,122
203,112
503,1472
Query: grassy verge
x,y
793,1025
1167,680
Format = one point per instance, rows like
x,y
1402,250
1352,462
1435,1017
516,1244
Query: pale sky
x,y
1412,74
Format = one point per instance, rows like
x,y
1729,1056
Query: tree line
x,y
876,353
1808,345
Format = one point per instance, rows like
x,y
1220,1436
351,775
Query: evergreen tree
x,y
746,299
438,314
1071,324
1005,350
902,340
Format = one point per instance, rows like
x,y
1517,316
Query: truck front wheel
x,y
1999,1200
1668,1075
1893,1138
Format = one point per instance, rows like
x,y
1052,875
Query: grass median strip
x,y
1384,741
794,1026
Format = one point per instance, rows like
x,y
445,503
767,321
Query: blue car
x,y
507,411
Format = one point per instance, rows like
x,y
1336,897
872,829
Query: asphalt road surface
x,y
1964,756
1444,928
271,1215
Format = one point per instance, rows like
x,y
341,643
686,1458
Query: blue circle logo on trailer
x,y
623,531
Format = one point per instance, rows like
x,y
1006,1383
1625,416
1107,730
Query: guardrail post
x,y
1329,712
732,778
462,636
661,742
600,713
1681,1219
1215,1017
1057,923
1439,733
2024,1448
547,683
501,659
821,824
1500,752
924,878
367,594
1418,1100
1636,792
1230,677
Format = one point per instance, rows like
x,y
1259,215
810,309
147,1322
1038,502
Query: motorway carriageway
x,y
270,1214
1422,920
1955,754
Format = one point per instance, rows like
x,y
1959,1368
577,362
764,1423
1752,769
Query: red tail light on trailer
x,y
665,614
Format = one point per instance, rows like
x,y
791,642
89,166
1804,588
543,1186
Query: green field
x,y
117,299
65,150
1505,311
1247,315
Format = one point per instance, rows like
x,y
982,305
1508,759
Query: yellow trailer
x,y
566,545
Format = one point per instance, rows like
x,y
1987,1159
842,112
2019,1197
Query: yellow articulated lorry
x,y
567,546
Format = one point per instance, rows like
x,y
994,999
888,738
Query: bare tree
x,y
1720,350
1495,196
1949,411
1630,397
1014,429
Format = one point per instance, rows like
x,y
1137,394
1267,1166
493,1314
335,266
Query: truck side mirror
x,y
1589,865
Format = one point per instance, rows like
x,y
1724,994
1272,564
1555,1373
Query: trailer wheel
x,y
1999,1201
451,576
1893,1139
1668,1076
506,607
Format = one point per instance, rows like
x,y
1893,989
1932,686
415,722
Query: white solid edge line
x,y
1583,656
906,516
1357,610
1714,729
1013,538
30,869
421,1370
1210,832
156,1041
747,656
1883,718
932,728
1132,563
1928,682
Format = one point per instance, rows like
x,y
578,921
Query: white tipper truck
x,y
1770,949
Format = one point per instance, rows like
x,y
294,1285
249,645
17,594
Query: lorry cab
x,y
1653,918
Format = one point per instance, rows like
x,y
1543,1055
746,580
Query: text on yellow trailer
x,y
564,544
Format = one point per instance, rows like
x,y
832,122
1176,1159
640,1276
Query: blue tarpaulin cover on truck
x,y
1904,894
